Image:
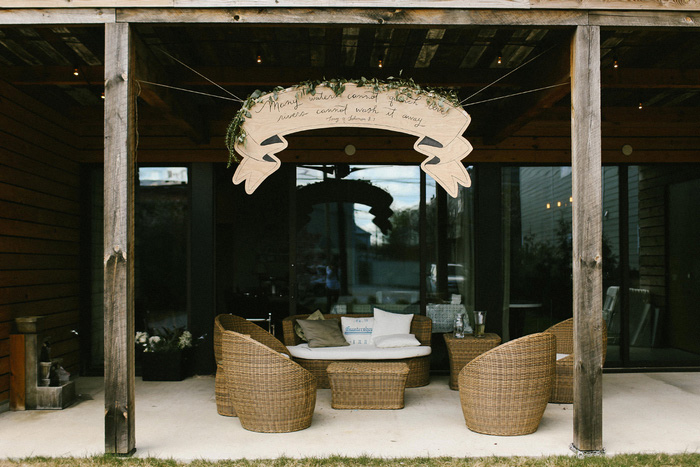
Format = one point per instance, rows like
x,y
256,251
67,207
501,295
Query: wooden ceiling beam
x,y
177,109
630,78
552,70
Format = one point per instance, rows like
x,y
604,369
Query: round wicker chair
x,y
505,391
241,325
271,393
563,388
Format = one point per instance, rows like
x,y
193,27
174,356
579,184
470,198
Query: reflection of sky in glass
x,y
402,182
157,176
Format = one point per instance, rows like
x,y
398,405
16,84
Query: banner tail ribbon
x,y
258,161
444,163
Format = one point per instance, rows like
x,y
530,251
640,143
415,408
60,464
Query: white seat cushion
x,y
357,352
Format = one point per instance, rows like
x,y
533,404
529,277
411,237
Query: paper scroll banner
x,y
439,129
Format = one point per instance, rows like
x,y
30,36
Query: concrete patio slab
x,y
643,413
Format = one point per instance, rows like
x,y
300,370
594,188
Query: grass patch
x,y
643,460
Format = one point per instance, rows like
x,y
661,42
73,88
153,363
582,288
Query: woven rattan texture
x,y
563,387
505,390
367,385
235,323
464,350
270,392
419,367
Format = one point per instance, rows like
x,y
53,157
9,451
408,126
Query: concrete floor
x,y
643,413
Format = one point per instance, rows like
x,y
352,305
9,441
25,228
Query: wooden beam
x,y
587,231
623,78
262,3
52,75
420,15
692,5
73,15
415,17
651,78
178,109
646,18
119,175
236,76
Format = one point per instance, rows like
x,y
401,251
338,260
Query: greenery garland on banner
x,y
405,89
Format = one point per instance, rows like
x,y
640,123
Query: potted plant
x,y
166,354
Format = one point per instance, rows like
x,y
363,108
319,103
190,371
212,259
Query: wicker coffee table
x,y
464,350
367,385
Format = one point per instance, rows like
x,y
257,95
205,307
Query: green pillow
x,y
323,333
299,331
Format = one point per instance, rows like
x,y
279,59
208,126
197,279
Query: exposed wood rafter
x,y
177,109
549,70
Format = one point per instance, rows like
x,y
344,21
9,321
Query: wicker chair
x,y
563,388
243,326
271,393
505,390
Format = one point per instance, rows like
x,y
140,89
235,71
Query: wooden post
x,y
119,171
587,240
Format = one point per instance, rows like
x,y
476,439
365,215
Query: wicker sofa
x,y
419,367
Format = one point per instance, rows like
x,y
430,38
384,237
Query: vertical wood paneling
x,y
587,238
39,225
119,168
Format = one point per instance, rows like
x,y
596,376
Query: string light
x,y
558,204
640,106
500,58
571,199
103,95
549,206
259,59
615,64
75,72
380,63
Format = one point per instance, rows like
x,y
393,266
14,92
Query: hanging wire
x,y
190,90
510,72
517,94
198,73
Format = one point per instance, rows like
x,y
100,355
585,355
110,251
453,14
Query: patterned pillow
x,y
357,330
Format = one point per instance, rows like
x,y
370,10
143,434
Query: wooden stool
x,y
367,385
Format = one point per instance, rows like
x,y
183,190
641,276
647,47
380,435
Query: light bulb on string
x,y
259,59
640,106
380,63
75,72
615,64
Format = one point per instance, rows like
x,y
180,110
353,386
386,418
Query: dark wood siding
x,y
39,226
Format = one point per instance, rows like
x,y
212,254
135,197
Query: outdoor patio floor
x,y
643,413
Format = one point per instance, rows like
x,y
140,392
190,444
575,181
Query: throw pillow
x,y
396,340
323,333
313,316
386,323
357,330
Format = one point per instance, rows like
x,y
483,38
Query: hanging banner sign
x,y
436,122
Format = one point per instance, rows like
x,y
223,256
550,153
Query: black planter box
x,y
166,366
